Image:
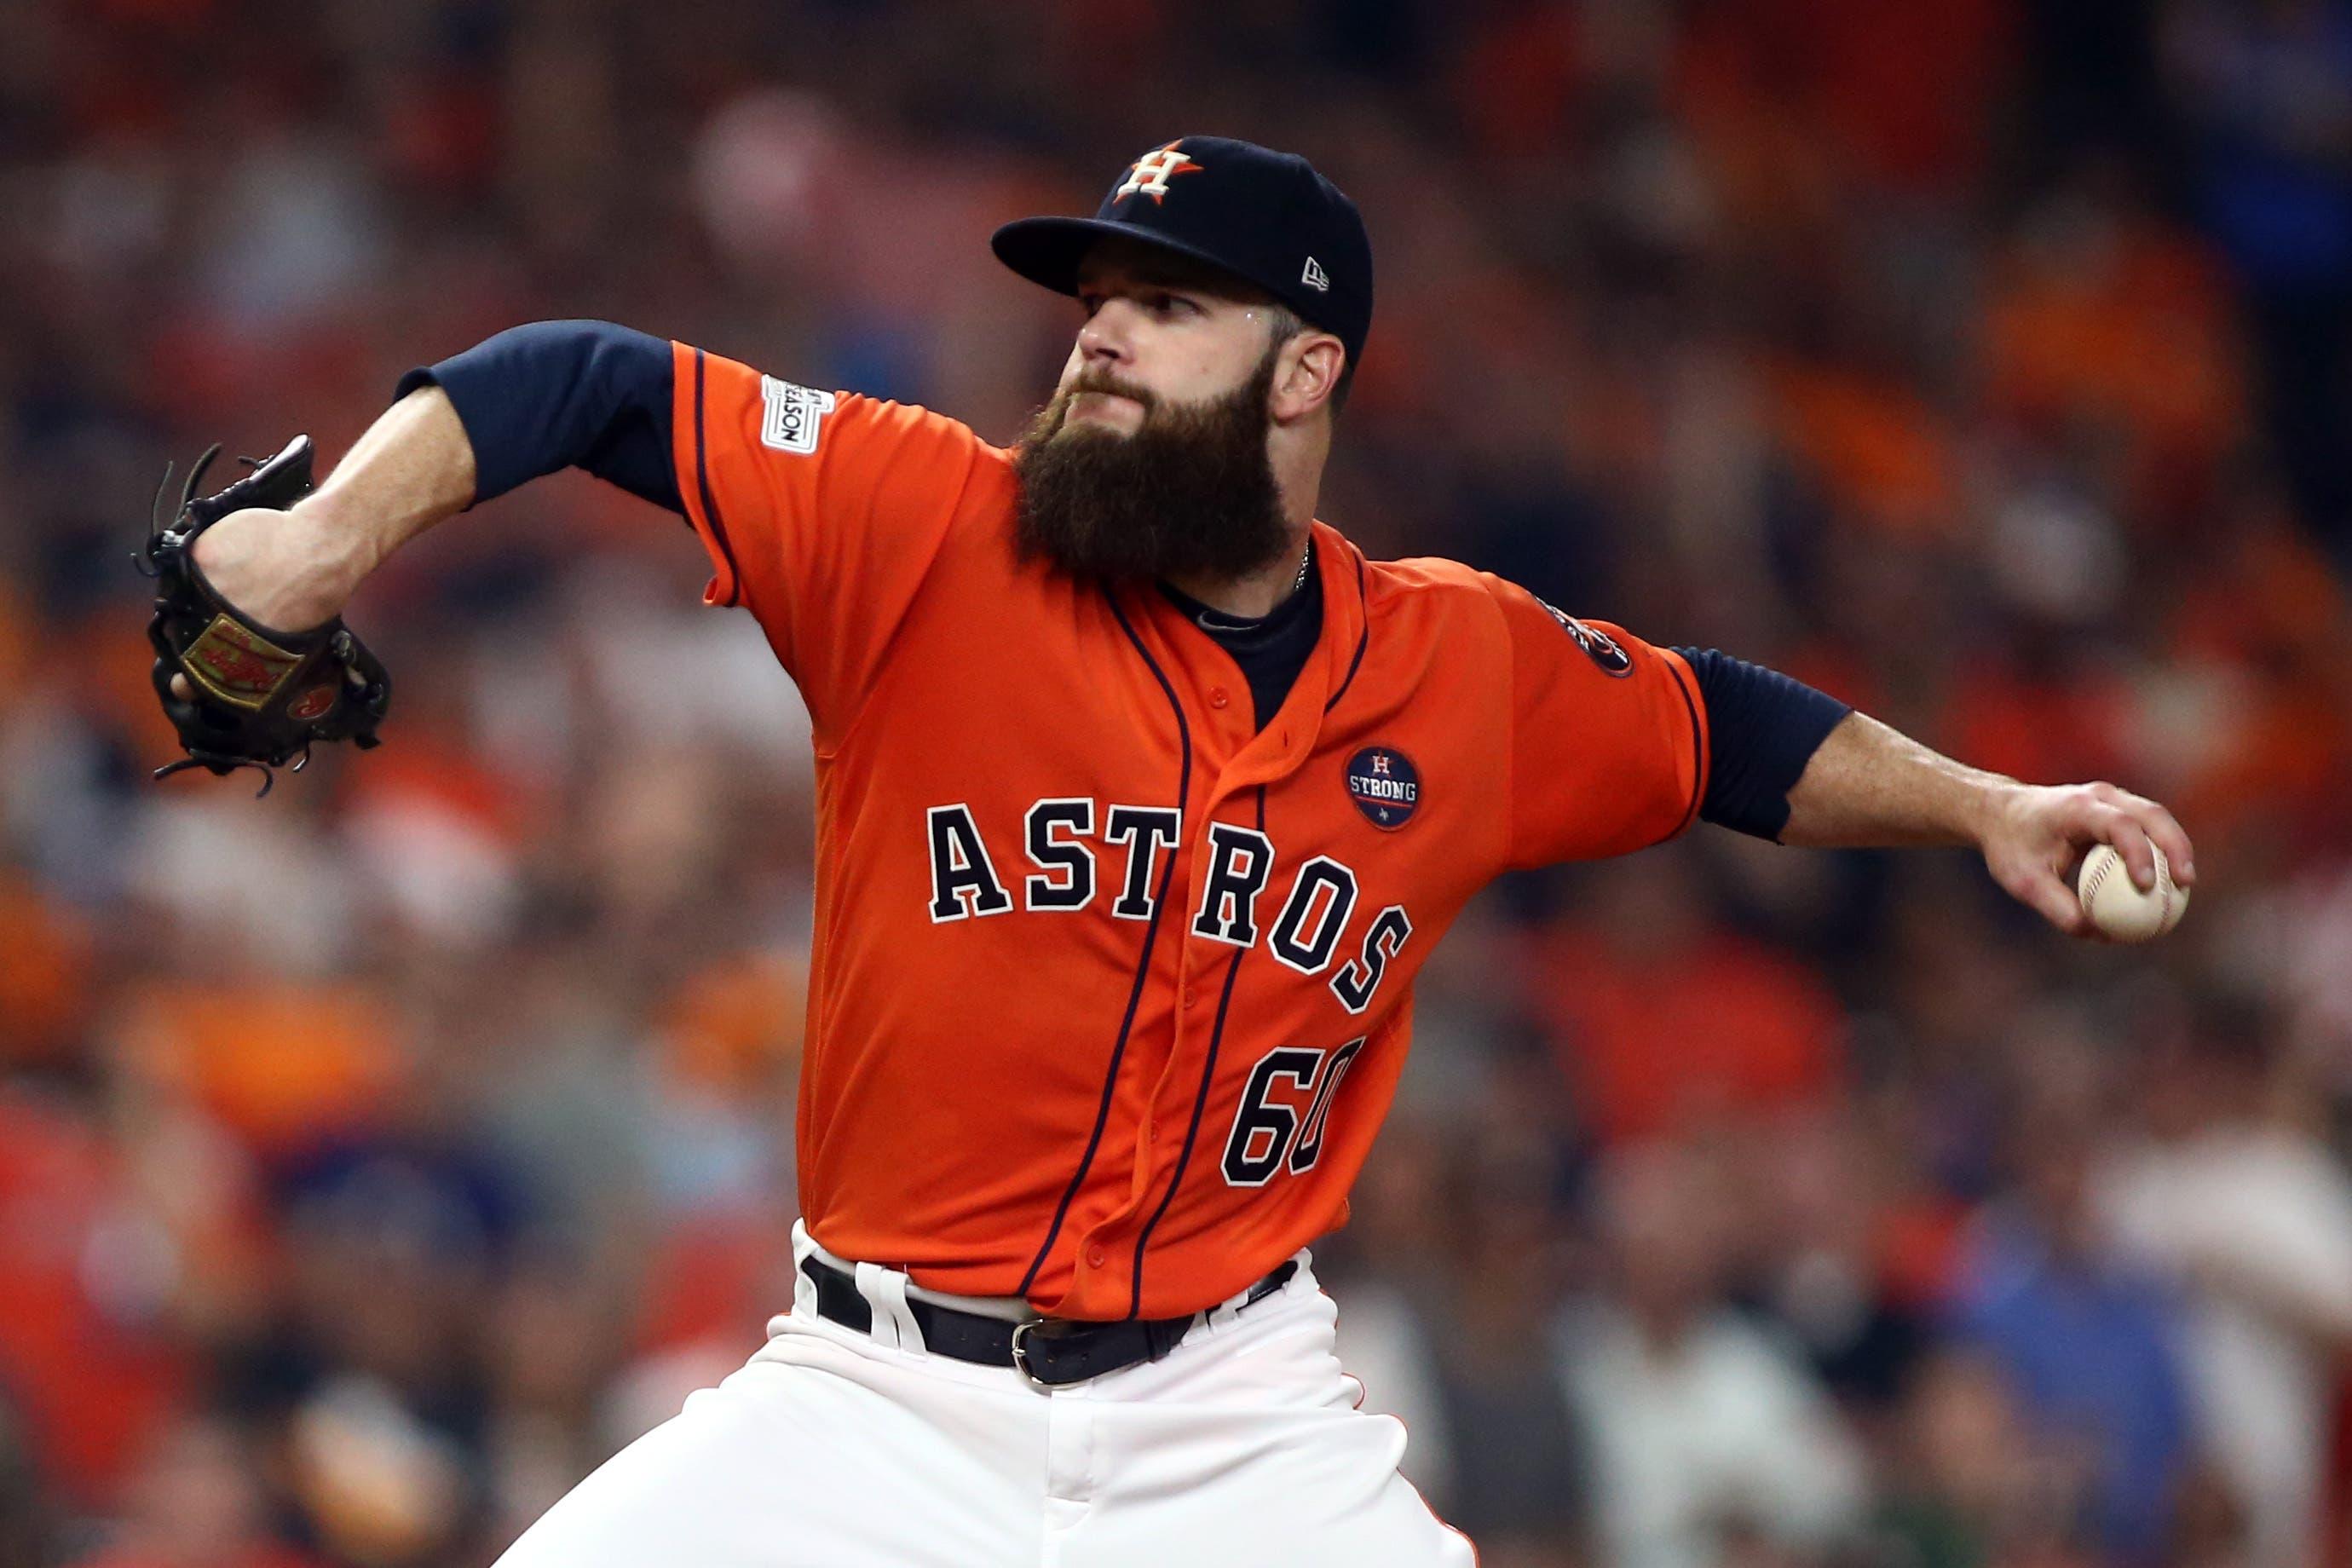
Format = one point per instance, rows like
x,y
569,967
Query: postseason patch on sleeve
x,y
793,416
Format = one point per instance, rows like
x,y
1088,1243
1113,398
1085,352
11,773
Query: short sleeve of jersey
x,y
1609,738
821,513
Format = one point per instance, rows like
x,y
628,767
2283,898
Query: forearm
x,y
294,570
413,467
527,402
1870,787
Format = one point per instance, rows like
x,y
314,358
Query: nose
x,y
1104,339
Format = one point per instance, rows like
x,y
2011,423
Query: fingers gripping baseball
x,y
2041,834
2159,828
2048,894
2110,825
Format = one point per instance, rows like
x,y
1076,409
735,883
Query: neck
x,y
1257,594
1297,472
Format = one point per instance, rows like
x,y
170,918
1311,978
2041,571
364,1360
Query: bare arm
x,y
294,570
1869,786
527,401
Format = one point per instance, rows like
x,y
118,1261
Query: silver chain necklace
x,y
1212,619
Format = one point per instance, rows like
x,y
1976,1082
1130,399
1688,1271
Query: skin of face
x,y
1164,334
1158,329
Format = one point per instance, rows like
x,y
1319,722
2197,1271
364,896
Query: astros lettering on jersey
x,y
1110,988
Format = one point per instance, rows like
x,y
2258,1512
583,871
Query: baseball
x,y
2116,904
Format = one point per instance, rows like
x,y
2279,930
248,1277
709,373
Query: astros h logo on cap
x,y
1148,176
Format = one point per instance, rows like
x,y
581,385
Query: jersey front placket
x,y
1233,762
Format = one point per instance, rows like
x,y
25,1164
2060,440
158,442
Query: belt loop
x,y
1224,1311
803,1286
884,1291
804,1295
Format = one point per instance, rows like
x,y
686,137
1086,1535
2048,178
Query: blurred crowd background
x,y
376,1158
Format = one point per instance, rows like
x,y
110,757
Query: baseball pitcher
x,y
1142,797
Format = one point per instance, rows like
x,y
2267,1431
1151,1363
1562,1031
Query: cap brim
x,y
1047,250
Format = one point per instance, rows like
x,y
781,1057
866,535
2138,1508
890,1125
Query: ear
x,y
1306,370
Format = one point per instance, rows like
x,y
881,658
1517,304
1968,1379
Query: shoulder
x,y
908,419
1432,577
1432,590
895,455
1475,612
793,419
900,435
802,419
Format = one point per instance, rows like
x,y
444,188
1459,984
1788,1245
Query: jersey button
x,y
1217,697
1097,1257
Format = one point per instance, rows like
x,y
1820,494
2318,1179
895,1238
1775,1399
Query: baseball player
x,y
1142,795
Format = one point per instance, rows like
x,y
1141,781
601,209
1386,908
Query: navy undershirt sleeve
x,y
1763,727
559,395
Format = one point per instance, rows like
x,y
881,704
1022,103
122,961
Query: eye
x,y
1173,305
1090,304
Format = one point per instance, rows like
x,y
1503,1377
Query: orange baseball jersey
x,y
1110,987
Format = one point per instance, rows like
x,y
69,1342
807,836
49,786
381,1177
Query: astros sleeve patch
x,y
1609,739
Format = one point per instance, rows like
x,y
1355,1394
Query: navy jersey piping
x,y
1699,747
1363,634
1142,964
710,501
1200,1105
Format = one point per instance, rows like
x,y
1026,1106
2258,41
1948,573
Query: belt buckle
x,y
1021,1354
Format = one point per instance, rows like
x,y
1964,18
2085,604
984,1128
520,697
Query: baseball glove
x,y
259,697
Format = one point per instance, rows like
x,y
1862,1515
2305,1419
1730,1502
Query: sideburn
x,y
1192,493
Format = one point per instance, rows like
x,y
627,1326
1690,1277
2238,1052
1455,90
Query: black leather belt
x,y
1048,1352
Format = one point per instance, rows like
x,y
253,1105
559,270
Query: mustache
x,y
1096,379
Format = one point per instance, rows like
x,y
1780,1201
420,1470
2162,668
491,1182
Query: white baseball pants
x,y
835,1448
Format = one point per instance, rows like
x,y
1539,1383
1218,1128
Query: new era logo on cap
x,y
1314,277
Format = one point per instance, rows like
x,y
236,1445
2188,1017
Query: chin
x,y
1103,411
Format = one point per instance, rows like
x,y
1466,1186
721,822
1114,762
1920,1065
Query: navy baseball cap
x,y
1266,217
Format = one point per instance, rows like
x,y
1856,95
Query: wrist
x,y
1990,802
342,544
333,553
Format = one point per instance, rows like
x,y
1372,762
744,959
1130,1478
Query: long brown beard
x,y
1190,494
